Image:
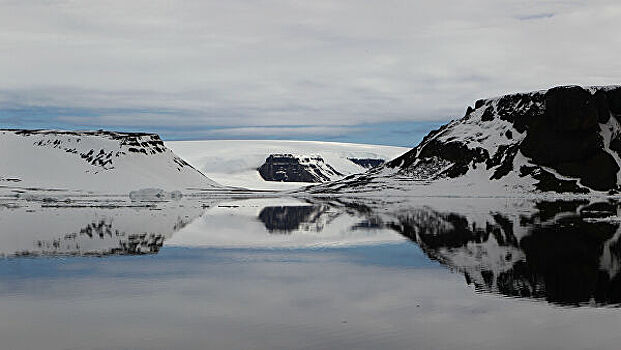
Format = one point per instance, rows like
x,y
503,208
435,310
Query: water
x,y
282,273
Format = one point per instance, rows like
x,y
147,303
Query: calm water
x,y
291,274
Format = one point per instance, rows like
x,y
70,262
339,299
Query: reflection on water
x,y
287,273
281,223
32,229
566,252
284,219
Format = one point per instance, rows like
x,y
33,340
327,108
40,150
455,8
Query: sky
x,y
383,72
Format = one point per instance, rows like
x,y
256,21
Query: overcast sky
x,y
364,71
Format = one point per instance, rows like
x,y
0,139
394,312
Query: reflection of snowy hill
x,y
32,229
564,252
235,163
98,161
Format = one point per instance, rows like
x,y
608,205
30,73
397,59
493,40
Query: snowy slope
x,y
566,140
95,161
235,162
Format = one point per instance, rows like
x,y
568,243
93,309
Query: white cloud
x,y
281,131
244,63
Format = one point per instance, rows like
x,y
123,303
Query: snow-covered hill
x,y
92,161
236,162
563,140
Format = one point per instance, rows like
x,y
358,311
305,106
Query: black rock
x,y
613,96
367,162
567,138
289,168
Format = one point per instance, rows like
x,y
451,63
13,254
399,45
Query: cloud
x,y
186,65
535,16
282,131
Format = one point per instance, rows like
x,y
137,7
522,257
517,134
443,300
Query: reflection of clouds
x,y
248,223
277,299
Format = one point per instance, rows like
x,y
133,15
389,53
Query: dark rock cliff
x,y
367,162
568,130
290,168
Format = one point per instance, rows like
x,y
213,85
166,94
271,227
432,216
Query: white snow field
x,y
97,162
235,162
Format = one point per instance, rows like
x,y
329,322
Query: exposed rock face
x,y
135,143
565,139
367,162
290,168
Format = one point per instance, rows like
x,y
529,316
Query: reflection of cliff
x,y
284,219
114,242
91,231
565,253
315,216
566,258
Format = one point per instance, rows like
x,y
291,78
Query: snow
x,y
609,131
487,135
235,162
475,183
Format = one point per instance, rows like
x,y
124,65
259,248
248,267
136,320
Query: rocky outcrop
x,y
290,168
367,163
566,137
